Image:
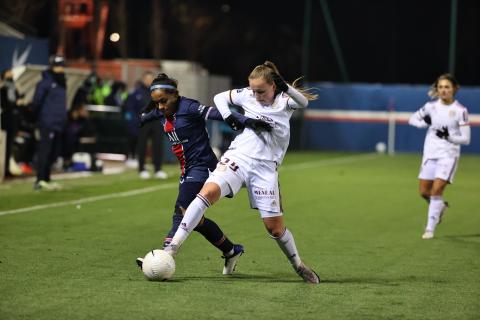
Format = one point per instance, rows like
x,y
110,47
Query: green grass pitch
x,y
357,219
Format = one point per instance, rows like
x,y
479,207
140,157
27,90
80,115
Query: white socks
x,y
190,220
434,209
287,244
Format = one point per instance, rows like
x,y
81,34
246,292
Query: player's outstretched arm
x,y
238,121
149,116
235,120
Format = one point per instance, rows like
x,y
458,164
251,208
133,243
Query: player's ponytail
x,y
267,71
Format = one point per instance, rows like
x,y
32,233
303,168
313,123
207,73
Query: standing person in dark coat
x,y
50,109
135,103
10,101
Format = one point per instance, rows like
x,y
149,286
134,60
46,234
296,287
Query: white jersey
x,y
263,145
451,116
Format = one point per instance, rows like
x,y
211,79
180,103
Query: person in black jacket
x,y
10,102
50,109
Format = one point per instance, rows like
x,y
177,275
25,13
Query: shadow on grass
x,y
388,282
465,238
274,278
288,278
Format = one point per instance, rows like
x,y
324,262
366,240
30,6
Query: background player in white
x,y
448,128
253,158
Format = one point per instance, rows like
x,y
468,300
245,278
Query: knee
x,y
274,226
276,232
425,194
211,192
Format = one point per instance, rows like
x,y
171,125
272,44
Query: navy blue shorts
x,y
190,185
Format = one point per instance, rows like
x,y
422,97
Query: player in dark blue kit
x,y
184,122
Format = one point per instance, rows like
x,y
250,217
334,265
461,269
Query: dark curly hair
x,y
162,78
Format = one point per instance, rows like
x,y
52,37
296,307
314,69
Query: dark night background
x,y
386,41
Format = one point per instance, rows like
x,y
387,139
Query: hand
x,y
234,123
149,107
280,82
257,124
427,119
443,134
152,115
143,119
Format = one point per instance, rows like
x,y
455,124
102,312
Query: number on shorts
x,y
232,165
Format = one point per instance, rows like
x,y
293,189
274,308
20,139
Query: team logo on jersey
x,y
268,120
239,90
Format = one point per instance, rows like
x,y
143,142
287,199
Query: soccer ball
x,y
158,265
381,147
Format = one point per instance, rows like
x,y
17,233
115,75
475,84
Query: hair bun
x,y
162,76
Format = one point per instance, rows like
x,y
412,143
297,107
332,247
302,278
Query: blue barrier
x,y
355,117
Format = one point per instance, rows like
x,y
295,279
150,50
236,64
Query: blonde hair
x,y
433,92
266,71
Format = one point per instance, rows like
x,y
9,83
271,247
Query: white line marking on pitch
x,y
91,199
304,165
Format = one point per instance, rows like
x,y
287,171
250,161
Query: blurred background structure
x,y
371,61
388,41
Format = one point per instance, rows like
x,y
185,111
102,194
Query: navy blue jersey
x,y
188,136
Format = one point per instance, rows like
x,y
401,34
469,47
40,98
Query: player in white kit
x,y
448,128
253,158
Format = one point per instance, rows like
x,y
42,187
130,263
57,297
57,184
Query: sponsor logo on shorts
x,y
264,194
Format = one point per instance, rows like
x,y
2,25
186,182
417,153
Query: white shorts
x,y
260,177
443,168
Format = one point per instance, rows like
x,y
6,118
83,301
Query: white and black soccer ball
x,y
158,265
